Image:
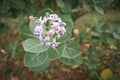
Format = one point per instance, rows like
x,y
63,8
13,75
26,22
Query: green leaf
x,y
67,7
75,5
67,18
65,38
54,53
117,36
4,28
6,14
118,29
93,53
83,34
44,11
34,60
4,6
96,34
74,61
99,9
105,27
71,50
18,4
98,28
94,40
33,45
31,9
40,68
32,24
86,7
11,48
60,3
95,16
25,33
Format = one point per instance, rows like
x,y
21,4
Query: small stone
x,y
76,32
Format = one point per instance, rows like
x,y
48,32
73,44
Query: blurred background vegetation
x,y
14,20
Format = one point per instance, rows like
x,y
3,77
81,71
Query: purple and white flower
x,y
42,42
48,29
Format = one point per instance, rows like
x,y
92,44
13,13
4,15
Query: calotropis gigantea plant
x,y
50,41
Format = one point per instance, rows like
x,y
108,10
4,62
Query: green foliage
x,y
99,9
18,4
35,59
40,68
33,45
4,28
67,8
71,50
60,3
11,48
54,54
105,34
12,8
25,33
98,5
115,4
72,61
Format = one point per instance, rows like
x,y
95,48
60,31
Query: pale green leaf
x,y
40,68
4,28
99,9
4,6
96,34
25,33
95,16
33,45
32,24
67,8
54,53
74,61
71,50
11,48
44,11
86,7
34,60
60,3
117,36
18,4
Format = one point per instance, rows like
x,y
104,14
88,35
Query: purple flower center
x,y
53,45
38,23
36,33
42,43
61,32
47,15
60,24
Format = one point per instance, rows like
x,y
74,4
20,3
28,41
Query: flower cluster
x,y
48,29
